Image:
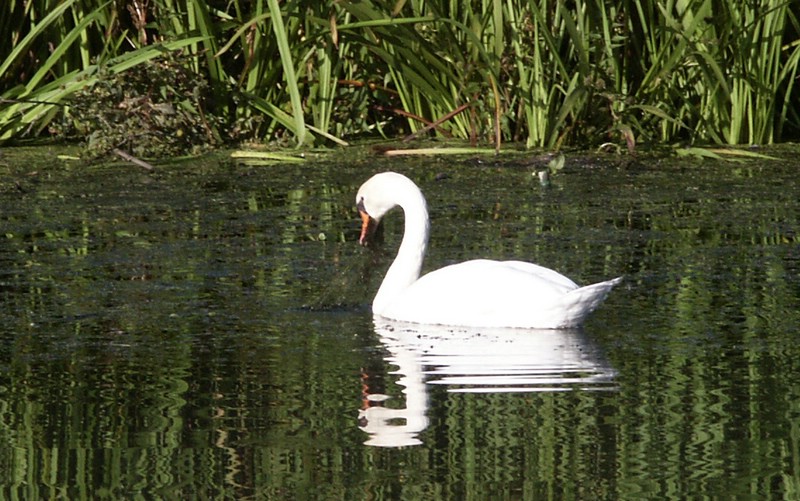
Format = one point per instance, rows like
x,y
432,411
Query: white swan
x,y
478,293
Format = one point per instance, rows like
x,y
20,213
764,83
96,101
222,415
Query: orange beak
x,y
367,227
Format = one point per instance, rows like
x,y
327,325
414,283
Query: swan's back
x,y
497,294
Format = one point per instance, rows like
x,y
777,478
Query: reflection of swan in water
x,y
394,427
479,360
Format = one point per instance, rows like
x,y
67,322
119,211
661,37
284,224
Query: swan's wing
x,y
540,273
482,277
492,294
483,292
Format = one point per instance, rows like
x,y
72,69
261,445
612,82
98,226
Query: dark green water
x,y
202,332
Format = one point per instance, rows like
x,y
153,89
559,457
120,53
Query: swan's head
x,y
380,194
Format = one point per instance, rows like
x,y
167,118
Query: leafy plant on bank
x,y
156,111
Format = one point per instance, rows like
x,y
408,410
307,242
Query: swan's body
x,y
478,293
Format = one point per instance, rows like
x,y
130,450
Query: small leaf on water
x,y
556,164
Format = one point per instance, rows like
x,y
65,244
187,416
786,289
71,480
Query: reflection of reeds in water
x,y
351,285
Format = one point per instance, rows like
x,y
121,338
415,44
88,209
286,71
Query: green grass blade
x,y
288,71
34,33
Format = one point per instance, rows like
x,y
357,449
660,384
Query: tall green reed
x,y
541,72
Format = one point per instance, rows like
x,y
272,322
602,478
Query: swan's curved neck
x,y
406,267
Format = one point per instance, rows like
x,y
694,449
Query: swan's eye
x,y
360,205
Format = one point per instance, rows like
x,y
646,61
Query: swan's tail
x,y
578,303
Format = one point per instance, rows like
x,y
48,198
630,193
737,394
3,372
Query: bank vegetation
x,y
541,73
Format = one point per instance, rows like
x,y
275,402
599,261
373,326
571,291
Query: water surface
x,y
204,331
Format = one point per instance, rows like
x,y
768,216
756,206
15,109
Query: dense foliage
x,y
541,72
155,111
